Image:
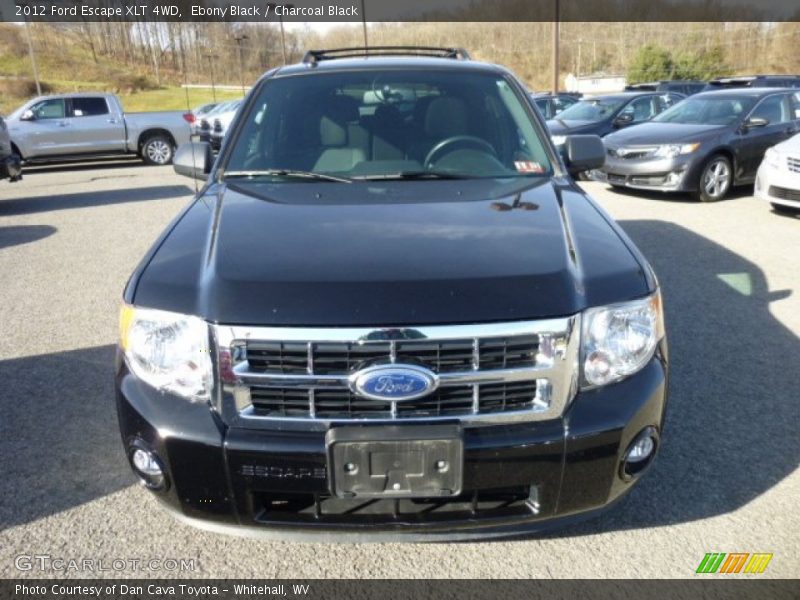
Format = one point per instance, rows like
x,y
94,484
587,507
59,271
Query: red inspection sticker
x,y
528,166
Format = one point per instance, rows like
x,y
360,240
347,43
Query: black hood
x,y
389,253
663,133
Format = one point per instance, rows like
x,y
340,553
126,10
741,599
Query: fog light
x,y
148,468
639,454
641,450
674,178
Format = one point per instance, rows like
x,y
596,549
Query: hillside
x,y
147,62
65,65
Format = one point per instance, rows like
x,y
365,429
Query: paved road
x,y
726,480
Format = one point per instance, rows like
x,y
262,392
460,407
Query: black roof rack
x,y
315,56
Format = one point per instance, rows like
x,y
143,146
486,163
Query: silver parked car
x,y
75,126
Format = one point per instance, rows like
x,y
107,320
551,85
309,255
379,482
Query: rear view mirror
x,y
623,120
584,153
753,122
193,159
28,115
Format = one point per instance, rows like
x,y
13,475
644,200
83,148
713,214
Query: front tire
x,y
157,150
715,180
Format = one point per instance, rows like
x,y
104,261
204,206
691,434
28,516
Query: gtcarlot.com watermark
x,y
60,564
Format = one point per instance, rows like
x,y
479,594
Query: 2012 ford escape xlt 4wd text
x,y
390,313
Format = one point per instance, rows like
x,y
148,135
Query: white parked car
x,y
220,124
778,178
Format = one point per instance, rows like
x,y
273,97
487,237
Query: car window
x,y
592,109
561,103
708,110
664,101
641,109
376,124
89,107
794,100
543,106
50,109
774,109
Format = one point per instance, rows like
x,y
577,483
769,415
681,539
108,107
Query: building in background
x,y
599,83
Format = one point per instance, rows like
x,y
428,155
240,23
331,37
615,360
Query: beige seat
x,y
444,118
343,146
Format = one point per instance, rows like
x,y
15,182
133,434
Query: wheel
x,y
715,180
157,150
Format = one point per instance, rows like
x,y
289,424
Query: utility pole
x,y
32,55
555,47
240,37
283,41
283,35
211,58
364,22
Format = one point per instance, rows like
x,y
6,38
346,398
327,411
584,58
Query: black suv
x,y
754,81
390,312
687,87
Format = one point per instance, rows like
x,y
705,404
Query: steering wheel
x,y
446,146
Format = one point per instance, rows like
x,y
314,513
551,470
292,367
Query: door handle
x,y
63,124
113,121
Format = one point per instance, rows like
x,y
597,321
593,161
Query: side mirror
x,y
623,120
28,115
754,122
193,159
584,153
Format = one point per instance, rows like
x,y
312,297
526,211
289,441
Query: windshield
x,y
593,109
398,124
720,110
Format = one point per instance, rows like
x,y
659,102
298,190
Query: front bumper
x,y
677,174
274,483
778,185
11,168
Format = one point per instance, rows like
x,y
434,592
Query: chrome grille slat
x,y
486,373
793,163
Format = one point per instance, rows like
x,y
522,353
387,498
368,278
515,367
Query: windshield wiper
x,y
287,173
405,175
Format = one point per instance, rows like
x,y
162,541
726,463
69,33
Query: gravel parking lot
x,y
726,480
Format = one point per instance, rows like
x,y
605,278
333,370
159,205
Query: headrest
x,y
446,117
337,112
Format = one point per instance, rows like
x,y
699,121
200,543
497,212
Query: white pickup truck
x,y
88,125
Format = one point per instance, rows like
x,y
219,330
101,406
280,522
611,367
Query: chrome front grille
x,y
793,163
446,401
304,377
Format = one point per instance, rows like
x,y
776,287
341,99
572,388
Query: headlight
x,y
620,339
167,350
672,150
772,158
559,140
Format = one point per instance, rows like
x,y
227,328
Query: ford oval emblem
x,y
394,383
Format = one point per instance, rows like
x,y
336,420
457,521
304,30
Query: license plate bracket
x,y
395,461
